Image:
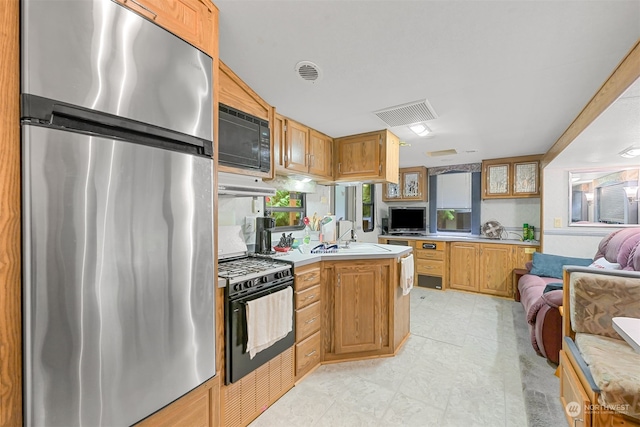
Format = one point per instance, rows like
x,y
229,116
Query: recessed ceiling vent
x,y
308,71
440,153
407,114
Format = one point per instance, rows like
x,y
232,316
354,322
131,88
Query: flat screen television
x,y
407,220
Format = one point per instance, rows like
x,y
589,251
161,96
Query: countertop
x,y
355,251
448,238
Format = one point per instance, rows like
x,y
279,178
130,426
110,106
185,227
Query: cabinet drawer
x,y
307,354
430,267
429,254
307,278
307,296
307,321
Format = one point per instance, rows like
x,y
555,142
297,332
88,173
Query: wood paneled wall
x,y
10,247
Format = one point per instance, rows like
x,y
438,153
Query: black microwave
x,y
243,140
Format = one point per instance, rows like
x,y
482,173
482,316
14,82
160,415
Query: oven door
x,y
237,361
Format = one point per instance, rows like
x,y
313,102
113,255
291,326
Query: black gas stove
x,y
250,278
250,274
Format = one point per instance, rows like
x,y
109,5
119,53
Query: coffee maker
x,y
263,235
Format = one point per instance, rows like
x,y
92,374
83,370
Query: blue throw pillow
x,y
546,265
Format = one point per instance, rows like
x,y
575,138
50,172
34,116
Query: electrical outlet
x,y
557,222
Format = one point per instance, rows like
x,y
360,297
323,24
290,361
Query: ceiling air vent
x,y
442,152
308,71
407,114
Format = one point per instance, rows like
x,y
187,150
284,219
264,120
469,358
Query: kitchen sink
x,y
368,248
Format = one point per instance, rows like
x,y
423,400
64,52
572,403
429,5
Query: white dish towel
x,y
406,274
269,319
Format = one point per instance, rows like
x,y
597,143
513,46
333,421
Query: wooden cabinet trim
x,y
10,219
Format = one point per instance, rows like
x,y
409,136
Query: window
x,y
454,202
368,207
287,208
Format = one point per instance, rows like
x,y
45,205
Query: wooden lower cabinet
x,y
364,311
463,266
308,318
198,408
495,270
307,354
358,305
486,267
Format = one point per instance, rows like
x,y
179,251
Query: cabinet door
x,y
359,157
358,305
522,254
497,180
391,191
191,20
320,154
495,269
526,179
413,183
296,143
463,266
278,142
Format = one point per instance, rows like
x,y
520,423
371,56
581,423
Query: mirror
x,y
608,197
344,199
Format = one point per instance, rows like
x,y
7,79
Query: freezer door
x,y
118,278
98,55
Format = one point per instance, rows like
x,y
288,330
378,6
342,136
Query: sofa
x,y
599,370
620,250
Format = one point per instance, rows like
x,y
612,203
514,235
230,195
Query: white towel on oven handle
x,y
269,319
406,274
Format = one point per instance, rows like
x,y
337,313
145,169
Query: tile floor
x,y
459,367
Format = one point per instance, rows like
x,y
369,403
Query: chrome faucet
x,y
352,238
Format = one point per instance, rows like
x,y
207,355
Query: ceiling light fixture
x,y
420,129
630,152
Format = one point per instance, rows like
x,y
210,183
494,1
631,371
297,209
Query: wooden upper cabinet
x,y
320,154
299,149
371,157
191,20
513,177
412,186
296,147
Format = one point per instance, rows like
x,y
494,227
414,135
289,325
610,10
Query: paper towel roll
x,y
328,229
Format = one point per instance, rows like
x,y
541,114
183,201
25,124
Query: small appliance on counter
x,y
263,235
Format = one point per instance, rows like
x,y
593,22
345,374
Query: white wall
x,y
238,211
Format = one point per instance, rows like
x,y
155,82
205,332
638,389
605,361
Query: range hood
x,y
241,185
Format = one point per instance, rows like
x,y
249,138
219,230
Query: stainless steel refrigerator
x,y
118,215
